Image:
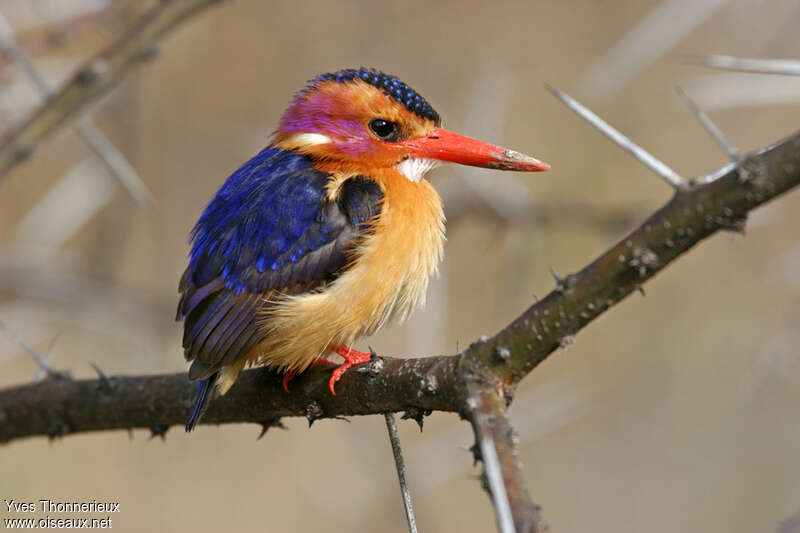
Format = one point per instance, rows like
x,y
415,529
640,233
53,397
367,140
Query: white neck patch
x,y
415,168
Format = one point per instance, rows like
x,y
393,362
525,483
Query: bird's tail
x,y
204,388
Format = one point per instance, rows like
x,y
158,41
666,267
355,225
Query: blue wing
x,y
269,228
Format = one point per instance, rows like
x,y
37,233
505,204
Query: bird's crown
x,y
391,85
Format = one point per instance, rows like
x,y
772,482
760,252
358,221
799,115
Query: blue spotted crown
x,y
395,88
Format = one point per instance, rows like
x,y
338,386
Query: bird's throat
x,y
415,168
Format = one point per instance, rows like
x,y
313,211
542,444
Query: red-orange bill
x,y
445,145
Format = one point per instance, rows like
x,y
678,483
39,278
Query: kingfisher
x,y
326,235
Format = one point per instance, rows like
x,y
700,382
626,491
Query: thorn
x,y
647,159
16,339
736,225
416,414
91,73
58,429
159,430
710,127
484,481
458,347
641,290
562,284
559,281
535,297
787,67
376,363
265,426
480,341
313,413
48,355
104,384
476,454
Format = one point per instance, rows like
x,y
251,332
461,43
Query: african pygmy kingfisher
x,y
324,236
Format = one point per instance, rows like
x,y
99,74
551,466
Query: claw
x,y
287,377
351,358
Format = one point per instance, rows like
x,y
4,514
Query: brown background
x,y
674,412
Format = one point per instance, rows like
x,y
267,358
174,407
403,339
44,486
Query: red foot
x,y
290,375
351,358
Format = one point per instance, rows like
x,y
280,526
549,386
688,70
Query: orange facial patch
x,y
341,112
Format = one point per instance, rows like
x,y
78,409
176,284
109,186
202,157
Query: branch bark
x,y
97,77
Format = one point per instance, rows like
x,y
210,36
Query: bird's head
x,y
357,119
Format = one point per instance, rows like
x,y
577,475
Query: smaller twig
x,y
104,148
788,67
394,439
710,127
36,356
95,78
117,163
666,173
497,488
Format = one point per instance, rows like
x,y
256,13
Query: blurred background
x,y
674,412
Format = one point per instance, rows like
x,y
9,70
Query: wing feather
x,y
269,230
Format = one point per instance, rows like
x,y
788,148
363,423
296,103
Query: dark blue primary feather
x,y
204,389
268,229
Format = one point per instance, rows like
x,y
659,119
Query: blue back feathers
x,y
395,88
255,221
269,226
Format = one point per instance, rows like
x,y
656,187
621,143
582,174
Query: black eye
x,y
383,129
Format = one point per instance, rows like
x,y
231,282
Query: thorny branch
x,y
478,384
96,78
